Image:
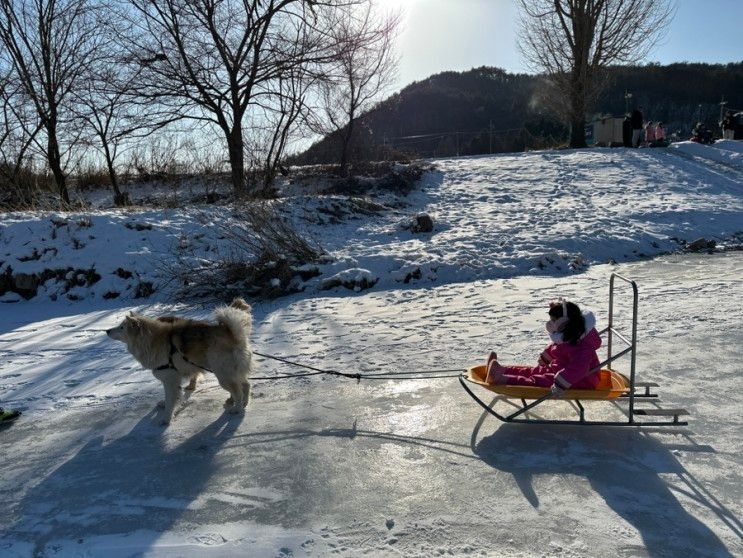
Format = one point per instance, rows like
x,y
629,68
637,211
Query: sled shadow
x,y
133,484
624,467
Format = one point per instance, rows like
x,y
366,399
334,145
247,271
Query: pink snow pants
x,y
539,376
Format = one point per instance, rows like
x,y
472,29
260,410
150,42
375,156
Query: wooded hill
x,y
489,110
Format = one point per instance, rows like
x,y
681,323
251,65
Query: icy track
x,y
329,467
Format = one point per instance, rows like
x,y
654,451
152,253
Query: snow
x,y
728,152
326,466
539,213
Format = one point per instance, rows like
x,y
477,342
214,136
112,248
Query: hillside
x,y
474,102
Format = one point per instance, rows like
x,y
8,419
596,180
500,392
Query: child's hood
x,y
591,336
590,321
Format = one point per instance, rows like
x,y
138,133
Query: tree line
x,y
85,75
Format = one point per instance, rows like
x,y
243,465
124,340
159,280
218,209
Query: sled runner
x,y
613,386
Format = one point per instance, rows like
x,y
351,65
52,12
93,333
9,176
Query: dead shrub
x,y
264,256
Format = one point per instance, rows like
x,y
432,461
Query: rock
x,y
25,284
355,279
6,281
422,223
701,244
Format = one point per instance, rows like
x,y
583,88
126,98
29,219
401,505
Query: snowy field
x,y
539,213
328,467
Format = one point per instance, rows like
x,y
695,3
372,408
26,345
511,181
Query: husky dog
x,y
177,348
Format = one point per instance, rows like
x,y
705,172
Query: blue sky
x,y
441,35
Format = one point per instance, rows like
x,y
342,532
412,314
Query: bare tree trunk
x,y
119,198
345,147
55,164
235,147
577,115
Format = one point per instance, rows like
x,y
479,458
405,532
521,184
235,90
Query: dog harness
x,y
171,364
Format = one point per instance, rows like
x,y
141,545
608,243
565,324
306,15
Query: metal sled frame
x,y
632,394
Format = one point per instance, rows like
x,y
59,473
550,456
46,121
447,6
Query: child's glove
x,y
544,359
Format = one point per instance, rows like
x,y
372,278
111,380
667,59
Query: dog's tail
x,y
238,318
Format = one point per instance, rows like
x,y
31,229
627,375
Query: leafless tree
x,y
112,112
19,126
366,66
215,58
48,43
573,41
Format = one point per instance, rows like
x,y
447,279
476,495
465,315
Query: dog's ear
x,y
133,321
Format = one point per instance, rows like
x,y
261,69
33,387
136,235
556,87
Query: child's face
x,y
552,325
555,324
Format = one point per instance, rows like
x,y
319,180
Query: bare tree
x,y
19,126
214,58
48,43
114,114
366,66
573,41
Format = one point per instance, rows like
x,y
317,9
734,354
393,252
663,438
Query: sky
x,y
440,35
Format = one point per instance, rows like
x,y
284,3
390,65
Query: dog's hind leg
x,y
192,383
235,403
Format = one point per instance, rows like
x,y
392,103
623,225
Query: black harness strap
x,y
171,365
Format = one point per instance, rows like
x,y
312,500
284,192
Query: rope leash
x,y
376,375
430,374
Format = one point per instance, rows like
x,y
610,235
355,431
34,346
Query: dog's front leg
x,y
172,384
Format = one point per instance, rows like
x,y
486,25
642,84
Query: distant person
x,y
650,132
627,131
569,361
636,119
660,133
701,134
728,126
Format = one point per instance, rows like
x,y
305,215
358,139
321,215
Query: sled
x,y
613,386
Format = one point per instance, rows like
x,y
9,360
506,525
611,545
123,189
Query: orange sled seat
x,y
611,385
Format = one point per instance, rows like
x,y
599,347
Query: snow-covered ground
x,y
728,152
538,213
329,467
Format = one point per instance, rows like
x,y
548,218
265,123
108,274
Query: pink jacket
x,y
650,132
571,363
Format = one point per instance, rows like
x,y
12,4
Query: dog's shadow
x,y
141,480
624,467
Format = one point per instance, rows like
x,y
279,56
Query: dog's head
x,y
127,330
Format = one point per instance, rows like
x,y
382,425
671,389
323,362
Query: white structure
x,y
607,132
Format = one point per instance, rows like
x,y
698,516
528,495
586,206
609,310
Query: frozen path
x,y
332,468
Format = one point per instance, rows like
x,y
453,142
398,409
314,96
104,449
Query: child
x,y
563,364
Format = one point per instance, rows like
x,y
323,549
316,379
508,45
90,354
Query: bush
x,y
266,257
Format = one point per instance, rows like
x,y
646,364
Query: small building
x,y
609,131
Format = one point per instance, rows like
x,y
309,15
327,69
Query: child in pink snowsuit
x,y
563,364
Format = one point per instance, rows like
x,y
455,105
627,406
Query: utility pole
x,y
491,137
723,102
